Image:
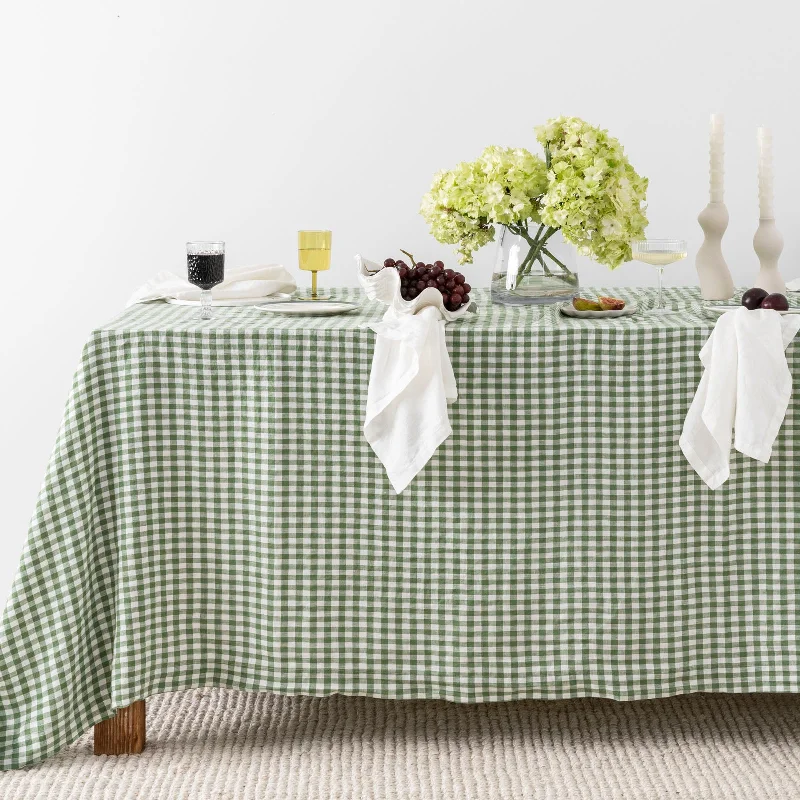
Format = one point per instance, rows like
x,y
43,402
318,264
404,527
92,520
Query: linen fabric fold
x,y
410,385
745,389
240,283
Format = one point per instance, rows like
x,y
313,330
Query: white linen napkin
x,y
240,282
745,387
410,385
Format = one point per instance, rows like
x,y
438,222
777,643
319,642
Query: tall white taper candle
x,y
717,158
766,200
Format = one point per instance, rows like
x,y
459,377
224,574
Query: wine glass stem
x,y
660,305
205,304
314,283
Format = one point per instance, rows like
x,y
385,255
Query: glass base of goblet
x,y
205,304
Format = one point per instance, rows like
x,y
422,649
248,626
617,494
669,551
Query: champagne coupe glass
x,y
314,252
206,266
659,253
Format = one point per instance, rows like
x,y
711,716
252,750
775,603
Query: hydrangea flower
x,y
594,195
500,187
586,187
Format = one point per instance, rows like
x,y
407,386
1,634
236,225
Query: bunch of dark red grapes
x,y
452,285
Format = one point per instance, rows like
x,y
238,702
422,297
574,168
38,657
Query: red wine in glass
x,y
205,263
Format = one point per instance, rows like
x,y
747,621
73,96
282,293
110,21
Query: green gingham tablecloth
x,y
213,516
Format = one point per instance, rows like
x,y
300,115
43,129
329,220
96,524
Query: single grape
x,y
430,283
445,298
451,284
389,262
449,273
420,265
441,280
439,264
459,278
420,285
467,288
435,272
465,298
402,272
413,291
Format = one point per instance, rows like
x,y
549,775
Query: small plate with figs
x,y
754,299
602,308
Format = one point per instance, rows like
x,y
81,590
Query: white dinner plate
x,y
722,309
309,308
569,310
279,297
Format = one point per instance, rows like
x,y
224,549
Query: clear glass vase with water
x,y
533,266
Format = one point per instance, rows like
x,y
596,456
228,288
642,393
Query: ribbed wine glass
x,y
658,253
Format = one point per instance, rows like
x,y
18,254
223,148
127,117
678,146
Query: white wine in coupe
x,y
658,253
659,259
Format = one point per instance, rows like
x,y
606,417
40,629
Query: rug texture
x,y
216,743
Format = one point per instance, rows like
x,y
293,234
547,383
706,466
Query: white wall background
x,y
130,126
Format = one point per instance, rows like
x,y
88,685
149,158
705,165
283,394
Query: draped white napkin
x,y
410,385
240,282
745,388
411,382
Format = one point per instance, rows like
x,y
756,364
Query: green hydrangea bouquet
x,y
584,186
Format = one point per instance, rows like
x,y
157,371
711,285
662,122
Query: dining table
x,y
212,515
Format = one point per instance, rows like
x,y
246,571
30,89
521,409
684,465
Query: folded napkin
x,y
410,385
745,387
240,282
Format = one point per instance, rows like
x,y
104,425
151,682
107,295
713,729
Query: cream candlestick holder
x,y
715,278
768,241
768,244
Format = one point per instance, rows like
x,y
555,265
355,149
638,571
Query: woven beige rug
x,y
221,744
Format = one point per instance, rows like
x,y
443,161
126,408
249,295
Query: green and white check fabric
x,y
213,516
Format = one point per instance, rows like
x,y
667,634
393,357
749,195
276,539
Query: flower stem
x,y
544,265
560,264
536,249
536,244
524,267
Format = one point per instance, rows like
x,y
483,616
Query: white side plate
x,y
234,301
569,310
725,309
309,308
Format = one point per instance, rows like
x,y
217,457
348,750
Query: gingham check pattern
x,y
212,515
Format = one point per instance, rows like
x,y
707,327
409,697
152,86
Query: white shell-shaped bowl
x,y
383,285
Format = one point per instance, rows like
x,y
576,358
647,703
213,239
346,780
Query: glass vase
x,y
533,267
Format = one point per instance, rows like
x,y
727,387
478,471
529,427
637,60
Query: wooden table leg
x,y
123,733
